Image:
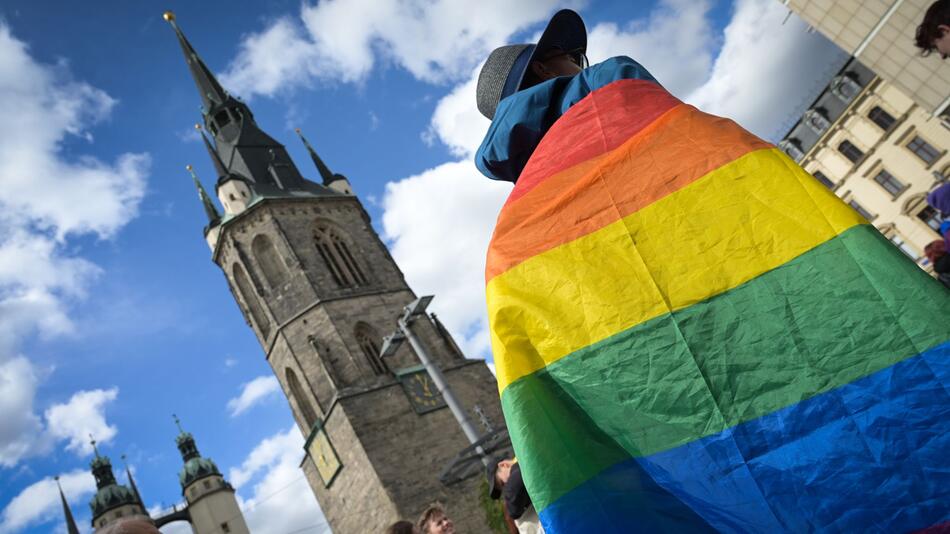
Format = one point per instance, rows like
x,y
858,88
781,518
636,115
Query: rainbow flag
x,y
691,333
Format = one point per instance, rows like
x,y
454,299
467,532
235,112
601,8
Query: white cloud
x,y
39,502
252,393
83,415
345,40
19,426
280,500
49,198
673,42
766,70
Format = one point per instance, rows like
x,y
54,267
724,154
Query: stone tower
x,y
320,290
212,506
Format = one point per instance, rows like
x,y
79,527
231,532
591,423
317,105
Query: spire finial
x,y
178,423
322,168
169,16
92,440
212,94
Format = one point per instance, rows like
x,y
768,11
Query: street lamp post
x,y
392,342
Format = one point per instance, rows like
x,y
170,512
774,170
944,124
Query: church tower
x,y
112,500
320,290
212,505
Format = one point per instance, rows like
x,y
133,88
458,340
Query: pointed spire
x,y
210,210
212,94
325,173
178,423
92,440
128,475
213,153
71,527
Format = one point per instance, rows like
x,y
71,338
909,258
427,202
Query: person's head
x,y
498,472
934,32
935,250
132,525
434,521
559,52
402,527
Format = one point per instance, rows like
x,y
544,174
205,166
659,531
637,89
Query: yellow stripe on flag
x,y
737,222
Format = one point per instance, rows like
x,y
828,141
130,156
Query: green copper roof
x,y
109,497
195,469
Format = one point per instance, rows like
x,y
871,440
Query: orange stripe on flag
x,y
672,152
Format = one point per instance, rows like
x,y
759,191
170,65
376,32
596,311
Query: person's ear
x,y
943,29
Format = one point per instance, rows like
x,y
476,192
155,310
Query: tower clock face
x,y
324,457
423,394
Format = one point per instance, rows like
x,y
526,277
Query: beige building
x,y
880,33
879,151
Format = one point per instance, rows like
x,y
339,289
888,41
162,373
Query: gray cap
x,y
504,70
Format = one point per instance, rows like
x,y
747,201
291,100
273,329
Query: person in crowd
x,y
402,527
936,252
666,293
434,520
504,480
933,34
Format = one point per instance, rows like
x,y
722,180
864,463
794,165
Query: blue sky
x,y
112,316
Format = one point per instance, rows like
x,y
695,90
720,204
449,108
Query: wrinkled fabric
x,y
692,334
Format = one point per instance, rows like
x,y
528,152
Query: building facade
x,y
879,151
880,33
210,504
320,290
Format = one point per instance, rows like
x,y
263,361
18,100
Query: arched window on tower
x,y
339,258
250,300
369,343
303,404
275,272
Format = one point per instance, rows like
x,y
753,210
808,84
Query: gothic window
x,y
250,299
923,150
339,258
306,410
882,118
850,151
269,261
824,179
889,183
817,121
845,86
368,341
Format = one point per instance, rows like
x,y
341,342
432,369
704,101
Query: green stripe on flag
x,y
847,308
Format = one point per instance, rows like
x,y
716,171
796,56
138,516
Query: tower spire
x,y
128,475
210,210
92,441
212,94
71,527
213,153
325,173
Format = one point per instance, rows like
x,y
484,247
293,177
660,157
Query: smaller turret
x,y
212,505
337,182
212,229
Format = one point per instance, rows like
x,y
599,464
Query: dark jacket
x,y
515,494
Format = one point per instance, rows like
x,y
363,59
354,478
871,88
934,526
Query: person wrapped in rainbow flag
x,y
690,332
